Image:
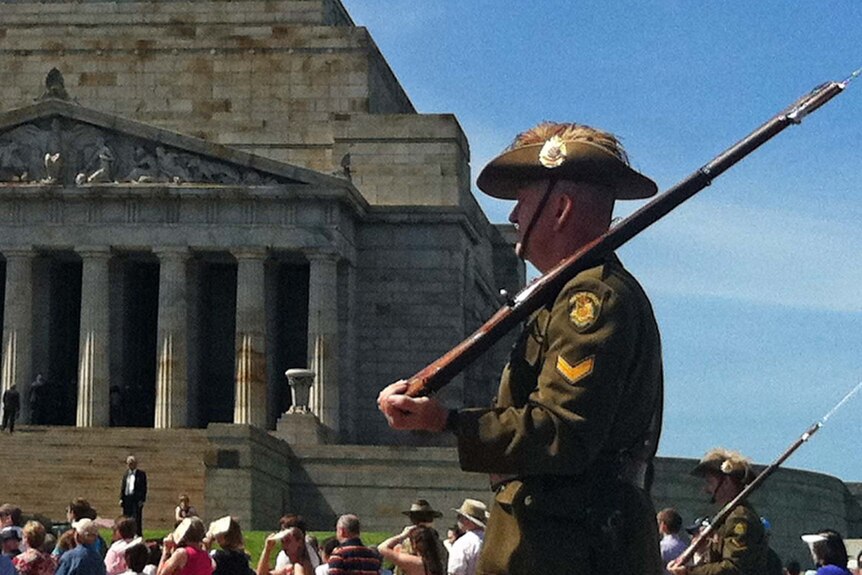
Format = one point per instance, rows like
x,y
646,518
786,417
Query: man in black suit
x,y
133,492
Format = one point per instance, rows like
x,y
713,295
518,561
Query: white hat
x,y
131,543
220,526
813,538
86,527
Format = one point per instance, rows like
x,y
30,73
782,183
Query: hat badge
x,y
553,153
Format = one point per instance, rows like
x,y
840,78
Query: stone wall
x,y
247,476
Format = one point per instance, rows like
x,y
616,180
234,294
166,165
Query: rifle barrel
x,y
437,374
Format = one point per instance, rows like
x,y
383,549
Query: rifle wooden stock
x,y
720,517
545,288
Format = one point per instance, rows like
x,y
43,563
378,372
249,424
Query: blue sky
x,y
757,280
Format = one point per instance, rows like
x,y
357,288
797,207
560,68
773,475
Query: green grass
x,y
254,539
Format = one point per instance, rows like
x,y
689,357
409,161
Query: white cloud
x,y
764,256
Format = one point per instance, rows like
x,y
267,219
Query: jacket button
x,y
528,500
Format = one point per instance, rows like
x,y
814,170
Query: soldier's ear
x,y
563,209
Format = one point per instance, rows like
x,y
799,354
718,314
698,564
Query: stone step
x,y
43,468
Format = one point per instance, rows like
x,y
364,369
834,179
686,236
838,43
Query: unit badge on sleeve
x,y
584,309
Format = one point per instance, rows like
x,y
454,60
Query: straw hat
x,y
473,510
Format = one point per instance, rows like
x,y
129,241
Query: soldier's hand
x,y
411,413
675,569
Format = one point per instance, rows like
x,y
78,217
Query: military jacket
x,y
584,380
582,386
740,546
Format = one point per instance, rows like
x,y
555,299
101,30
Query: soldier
x,y
570,439
740,545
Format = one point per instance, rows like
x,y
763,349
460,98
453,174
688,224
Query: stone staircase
x,y
43,468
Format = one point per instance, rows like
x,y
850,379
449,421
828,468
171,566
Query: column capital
x,y
17,252
249,253
165,252
93,251
326,255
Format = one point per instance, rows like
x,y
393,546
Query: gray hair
x,y
349,523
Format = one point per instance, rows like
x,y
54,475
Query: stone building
x,y
197,196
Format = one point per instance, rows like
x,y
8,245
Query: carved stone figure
x,y
104,173
53,168
55,86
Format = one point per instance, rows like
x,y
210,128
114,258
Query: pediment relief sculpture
x,y
60,151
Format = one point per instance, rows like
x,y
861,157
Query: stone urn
x,y
300,381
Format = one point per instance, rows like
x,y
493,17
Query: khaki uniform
x,y
740,548
576,422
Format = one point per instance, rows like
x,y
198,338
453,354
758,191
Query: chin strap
x,y
539,209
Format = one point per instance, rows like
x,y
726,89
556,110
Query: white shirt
x,y
282,560
130,483
464,555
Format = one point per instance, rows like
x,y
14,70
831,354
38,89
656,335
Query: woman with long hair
x,y
427,559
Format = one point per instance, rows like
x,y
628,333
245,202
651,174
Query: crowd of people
x,y
219,549
739,544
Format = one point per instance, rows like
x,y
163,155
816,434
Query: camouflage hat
x,y
725,462
565,151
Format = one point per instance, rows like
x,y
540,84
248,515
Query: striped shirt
x,y
351,556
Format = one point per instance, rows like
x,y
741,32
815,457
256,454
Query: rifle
x,y
719,517
545,288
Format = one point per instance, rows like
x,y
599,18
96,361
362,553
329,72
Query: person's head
x,y
827,548
293,543
190,532
453,533
10,539
421,512
49,543
471,515
725,474
792,567
125,528
10,515
66,541
669,521
137,556
565,177
80,509
231,539
131,462
86,531
34,534
347,527
293,520
329,545
184,501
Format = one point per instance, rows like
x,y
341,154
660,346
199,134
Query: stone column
x,y
323,337
250,400
93,373
172,387
18,325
